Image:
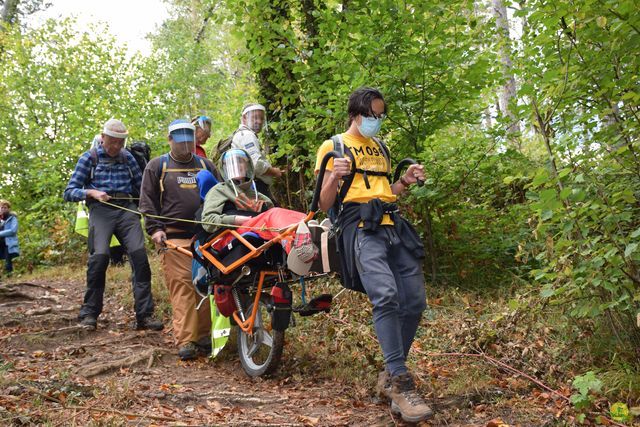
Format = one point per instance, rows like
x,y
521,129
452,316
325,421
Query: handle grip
x,y
406,162
323,168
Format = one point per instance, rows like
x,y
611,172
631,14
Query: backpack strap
x,y
123,159
162,171
95,159
93,155
385,152
203,164
338,145
163,168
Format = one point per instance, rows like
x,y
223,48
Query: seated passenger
x,y
236,202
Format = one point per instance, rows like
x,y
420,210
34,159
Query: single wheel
x,y
260,353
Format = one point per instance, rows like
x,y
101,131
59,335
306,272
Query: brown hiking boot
x,y
383,386
406,401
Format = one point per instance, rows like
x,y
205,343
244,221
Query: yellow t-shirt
x,y
368,156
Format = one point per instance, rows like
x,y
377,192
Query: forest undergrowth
x,y
480,357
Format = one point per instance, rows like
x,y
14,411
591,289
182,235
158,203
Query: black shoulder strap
x,y
338,145
123,159
93,155
385,152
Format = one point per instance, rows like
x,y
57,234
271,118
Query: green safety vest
x,y
82,224
220,329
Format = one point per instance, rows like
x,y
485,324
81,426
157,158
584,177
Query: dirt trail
x,y
57,373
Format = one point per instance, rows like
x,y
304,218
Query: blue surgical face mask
x,y
370,126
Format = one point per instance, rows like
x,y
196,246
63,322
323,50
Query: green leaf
x,y
541,177
631,248
547,292
587,382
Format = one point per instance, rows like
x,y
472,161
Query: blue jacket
x,y
10,234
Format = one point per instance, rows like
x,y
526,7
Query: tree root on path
x,y
49,332
36,285
77,346
10,292
102,367
90,408
243,397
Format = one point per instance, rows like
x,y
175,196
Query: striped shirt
x,y
111,175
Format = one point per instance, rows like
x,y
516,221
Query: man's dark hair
x,y
360,102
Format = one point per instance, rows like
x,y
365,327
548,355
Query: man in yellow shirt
x,y
381,253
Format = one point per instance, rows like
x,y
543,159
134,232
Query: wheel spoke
x,y
255,345
267,339
260,352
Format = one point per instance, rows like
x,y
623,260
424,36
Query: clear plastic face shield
x,y
237,168
183,136
204,124
254,117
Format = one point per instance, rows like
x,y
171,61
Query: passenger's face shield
x,y
254,118
236,166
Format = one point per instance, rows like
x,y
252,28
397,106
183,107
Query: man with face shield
x,y
237,202
169,189
203,132
253,121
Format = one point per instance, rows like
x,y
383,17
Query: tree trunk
x,y
508,92
9,11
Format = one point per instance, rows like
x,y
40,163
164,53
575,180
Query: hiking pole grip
x,y
405,162
323,168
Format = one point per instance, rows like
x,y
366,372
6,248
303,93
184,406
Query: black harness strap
x,y
347,180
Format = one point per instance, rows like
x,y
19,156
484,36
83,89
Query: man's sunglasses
x,y
381,116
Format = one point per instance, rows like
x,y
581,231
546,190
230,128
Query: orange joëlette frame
x,y
247,325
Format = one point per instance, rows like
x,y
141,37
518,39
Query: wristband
x,y
404,182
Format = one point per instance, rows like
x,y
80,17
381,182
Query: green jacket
x,y
221,199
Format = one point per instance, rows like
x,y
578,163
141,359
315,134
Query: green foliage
x,y
562,204
584,385
309,56
578,68
57,88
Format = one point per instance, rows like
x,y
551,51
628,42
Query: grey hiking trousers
x,y
393,279
105,221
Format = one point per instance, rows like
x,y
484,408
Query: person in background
x,y
9,248
111,174
252,122
203,132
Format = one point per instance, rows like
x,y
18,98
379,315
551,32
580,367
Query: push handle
x,y
323,168
403,163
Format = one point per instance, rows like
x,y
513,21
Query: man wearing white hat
x,y
246,138
111,174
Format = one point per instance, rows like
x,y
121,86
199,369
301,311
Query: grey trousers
x,y
105,221
393,279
